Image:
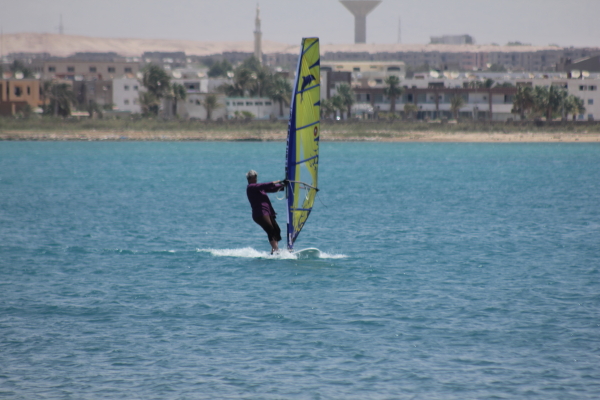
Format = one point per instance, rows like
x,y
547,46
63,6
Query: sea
x,y
133,270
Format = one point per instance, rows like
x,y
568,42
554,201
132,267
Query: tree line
x,y
549,102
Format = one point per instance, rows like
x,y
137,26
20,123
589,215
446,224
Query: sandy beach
x,y
382,136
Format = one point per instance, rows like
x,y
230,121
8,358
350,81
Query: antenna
x,y
61,28
360,9
399,30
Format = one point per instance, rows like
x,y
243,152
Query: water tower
x,y
360,9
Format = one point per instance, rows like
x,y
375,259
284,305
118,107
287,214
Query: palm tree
x,y
45,91
156,81
579,107
243,80
488,83
219,68
338,103
573,105
211,103
158,85
540,100
281,92
523,101
61,99
251,63
393,90
327,107
548,101
456,103
178,93
149,103
345,92
557,99
262,82
410,109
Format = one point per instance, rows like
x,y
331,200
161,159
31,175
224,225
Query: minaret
x,y
257,37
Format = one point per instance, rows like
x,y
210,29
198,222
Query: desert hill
x,y
65,45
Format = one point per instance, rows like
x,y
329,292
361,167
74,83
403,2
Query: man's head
x,y
252,176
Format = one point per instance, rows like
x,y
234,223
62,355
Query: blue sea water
x,y
133,270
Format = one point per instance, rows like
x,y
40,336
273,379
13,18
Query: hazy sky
x,y
539,22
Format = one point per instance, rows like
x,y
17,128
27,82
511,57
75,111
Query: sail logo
x,y
306,80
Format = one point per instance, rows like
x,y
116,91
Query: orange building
x,y
15,94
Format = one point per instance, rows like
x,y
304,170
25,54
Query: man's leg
x,y
276,235
267,225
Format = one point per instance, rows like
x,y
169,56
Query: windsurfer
x,y
262,209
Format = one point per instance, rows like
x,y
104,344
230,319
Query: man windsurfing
x,y
263,212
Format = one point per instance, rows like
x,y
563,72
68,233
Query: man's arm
x,y
272,187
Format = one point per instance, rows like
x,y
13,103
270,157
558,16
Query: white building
x,y
193,107
126,95
587,89
432,92
260,107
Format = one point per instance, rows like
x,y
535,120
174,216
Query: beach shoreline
x,y
327,136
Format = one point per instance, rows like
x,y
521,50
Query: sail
x,y
303,140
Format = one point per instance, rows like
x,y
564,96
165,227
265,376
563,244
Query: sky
x,y
538,22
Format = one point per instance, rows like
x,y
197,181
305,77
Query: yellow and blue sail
x,y
304,132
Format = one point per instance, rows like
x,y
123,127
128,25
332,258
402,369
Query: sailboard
x,y
304,130
308,254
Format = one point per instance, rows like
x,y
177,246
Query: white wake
x,y
249,252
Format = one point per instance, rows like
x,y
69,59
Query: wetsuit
x,y
263,212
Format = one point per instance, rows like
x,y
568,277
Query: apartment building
x,y
432,95
456,57
16,94
88,70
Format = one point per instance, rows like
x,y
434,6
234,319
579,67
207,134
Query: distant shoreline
x,y
327,136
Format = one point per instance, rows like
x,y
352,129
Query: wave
x,y
249,252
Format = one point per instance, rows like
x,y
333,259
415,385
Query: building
x,y
456,57
432,93
365,73
452,39
126,95
589,64
193,107
93,92
16,95
434,101
75,69
166,60
260,108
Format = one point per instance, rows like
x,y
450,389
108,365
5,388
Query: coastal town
x,y
449,79
302,199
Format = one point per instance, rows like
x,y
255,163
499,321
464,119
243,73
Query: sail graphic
x,y
302,153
